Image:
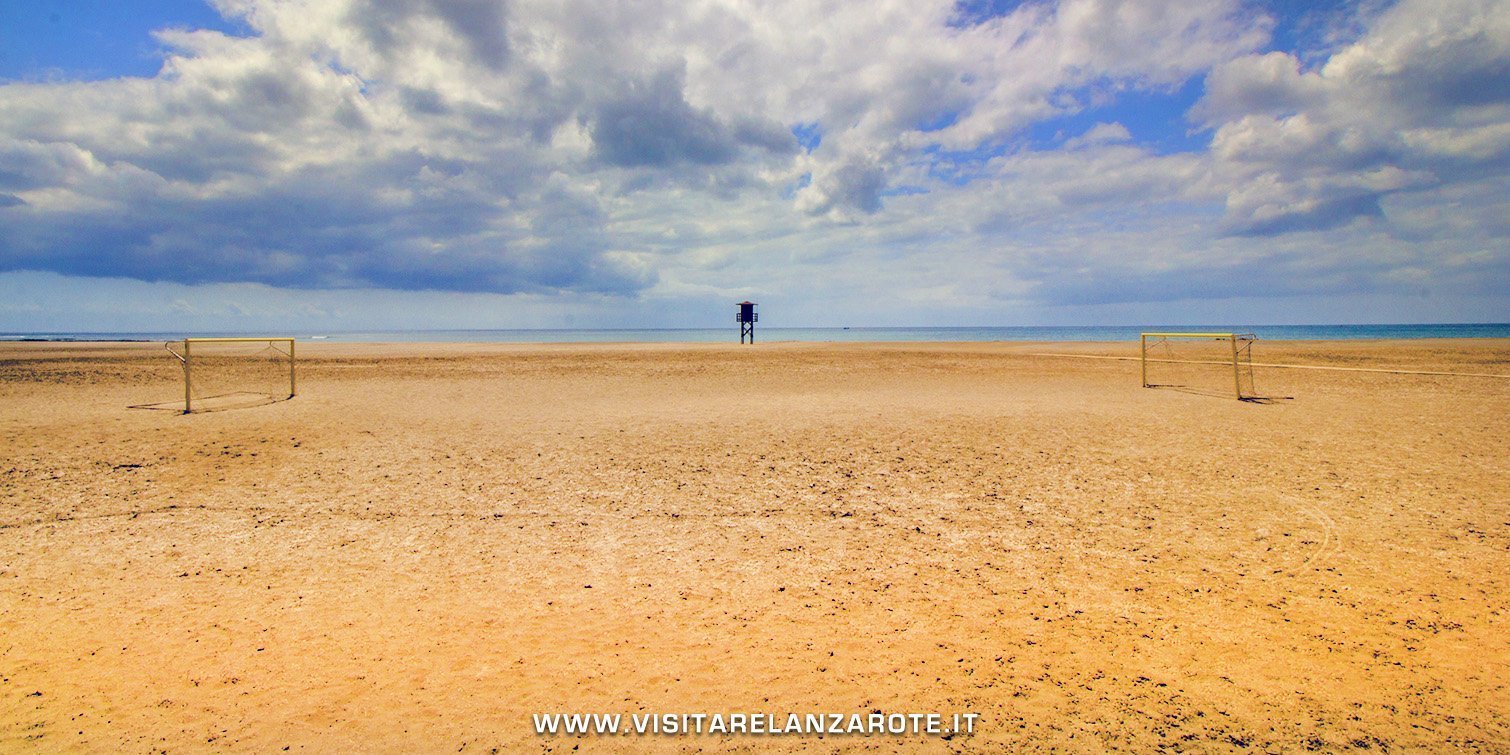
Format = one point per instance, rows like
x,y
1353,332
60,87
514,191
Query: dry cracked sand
x,y
432,542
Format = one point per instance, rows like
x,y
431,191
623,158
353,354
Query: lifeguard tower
x,y
747,317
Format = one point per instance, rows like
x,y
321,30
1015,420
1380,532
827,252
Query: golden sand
x,y
432,542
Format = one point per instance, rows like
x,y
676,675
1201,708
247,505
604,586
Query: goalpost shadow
x,y
219,403
1214,393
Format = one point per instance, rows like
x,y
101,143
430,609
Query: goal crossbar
x,y
1232,338
187,358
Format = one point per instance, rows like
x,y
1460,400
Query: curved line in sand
x,y
1330,542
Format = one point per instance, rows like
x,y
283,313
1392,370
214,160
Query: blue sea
x,y
715,335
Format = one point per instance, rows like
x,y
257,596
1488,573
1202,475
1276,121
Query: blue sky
x,y
353,164
58,40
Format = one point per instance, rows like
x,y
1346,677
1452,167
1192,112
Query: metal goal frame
x,y
1246,339
187,358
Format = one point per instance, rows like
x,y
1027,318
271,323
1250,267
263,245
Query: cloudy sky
x,y
377,164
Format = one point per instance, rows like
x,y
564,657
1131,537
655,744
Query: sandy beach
x,y
432,542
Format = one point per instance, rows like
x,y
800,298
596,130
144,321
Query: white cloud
x,y
1420,101
577,149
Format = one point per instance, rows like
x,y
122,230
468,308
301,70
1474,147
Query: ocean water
x,y
727,334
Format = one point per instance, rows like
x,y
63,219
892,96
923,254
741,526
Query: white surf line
x,y
1285,366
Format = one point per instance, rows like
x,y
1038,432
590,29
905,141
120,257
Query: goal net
x,y
228,373
1210,363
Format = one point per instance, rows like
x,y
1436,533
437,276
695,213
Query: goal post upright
x,y
1143,356
188,380
1237,377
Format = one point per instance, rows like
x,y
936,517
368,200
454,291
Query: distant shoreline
x,y
1016,334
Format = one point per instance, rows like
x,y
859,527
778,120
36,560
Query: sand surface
x,y
432,542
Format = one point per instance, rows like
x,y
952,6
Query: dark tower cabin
x,y
746,318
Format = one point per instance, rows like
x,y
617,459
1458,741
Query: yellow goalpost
x,y
1240,356
240,362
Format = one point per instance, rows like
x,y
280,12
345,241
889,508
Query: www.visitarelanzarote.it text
x,y
768,724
